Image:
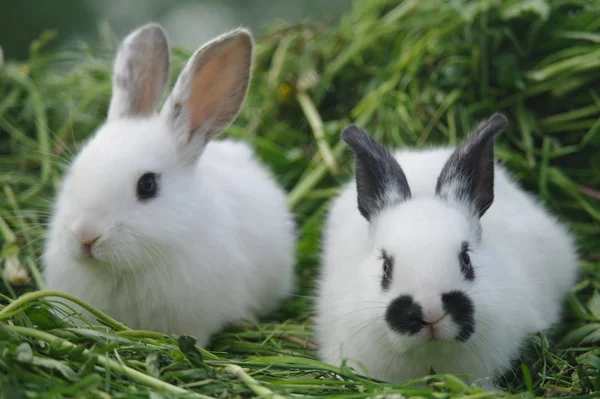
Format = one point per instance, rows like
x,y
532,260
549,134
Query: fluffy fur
x,y
216,244
523,260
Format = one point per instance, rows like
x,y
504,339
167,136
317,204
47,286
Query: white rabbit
x,y
436,259
157,226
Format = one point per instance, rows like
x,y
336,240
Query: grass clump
x,y
413,73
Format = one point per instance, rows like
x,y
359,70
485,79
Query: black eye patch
x,y
388,268
464,259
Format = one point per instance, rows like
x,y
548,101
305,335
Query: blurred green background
x,y
188,23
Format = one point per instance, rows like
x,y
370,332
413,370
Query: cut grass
x,y
412,73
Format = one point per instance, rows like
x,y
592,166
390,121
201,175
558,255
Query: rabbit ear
x,y
141,73
210,90
380,181
468,175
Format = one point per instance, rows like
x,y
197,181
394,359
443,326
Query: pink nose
x,y
87,231
86,247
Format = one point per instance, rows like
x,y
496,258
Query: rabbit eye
x,y
147,186
465,262
388,267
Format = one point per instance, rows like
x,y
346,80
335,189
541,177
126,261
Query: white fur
x,y
524,264
216,246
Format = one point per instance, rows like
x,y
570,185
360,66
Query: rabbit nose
x,y
433,314
432,307
433,317
87,234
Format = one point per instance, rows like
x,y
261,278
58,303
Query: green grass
x,y
412,73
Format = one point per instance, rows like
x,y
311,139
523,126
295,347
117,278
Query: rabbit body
x,y
214,243
523,261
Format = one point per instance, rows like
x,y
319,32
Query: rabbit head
x,y
425,247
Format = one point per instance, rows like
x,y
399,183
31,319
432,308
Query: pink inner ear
x,y
150,84
144,73
219,87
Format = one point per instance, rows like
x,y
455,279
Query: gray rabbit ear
x,y
141,72
468,175
380,180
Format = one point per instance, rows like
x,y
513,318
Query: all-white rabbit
x,y
155,224
436,259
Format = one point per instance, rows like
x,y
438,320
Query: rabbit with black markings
x,y
155,224
436,259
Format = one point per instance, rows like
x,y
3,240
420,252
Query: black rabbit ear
x,y
380,180
468,175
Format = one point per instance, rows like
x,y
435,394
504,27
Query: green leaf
x,y
102,337
593,305
187,345
593,361
584,380
541,8
578,335
24,354
43,318
527,377
88,365
6,334
56,365
577,307
591,338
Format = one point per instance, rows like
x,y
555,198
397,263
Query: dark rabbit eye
x,y
388,267
465,258
147,186
465,263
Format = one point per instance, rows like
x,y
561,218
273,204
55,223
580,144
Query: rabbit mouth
x,y
89,255
441,330
87,248
434,330
89,259
93,253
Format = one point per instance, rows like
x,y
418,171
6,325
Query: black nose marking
x,y
405,316
462,310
